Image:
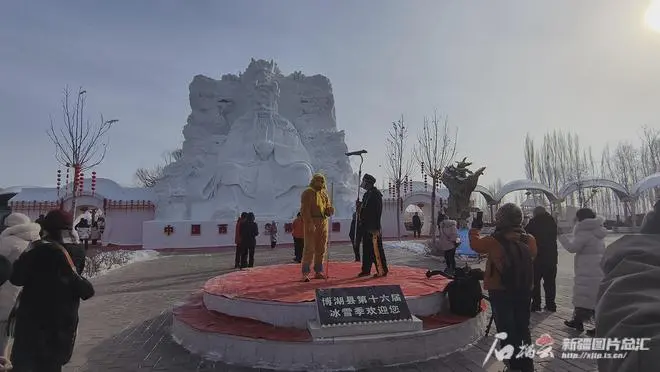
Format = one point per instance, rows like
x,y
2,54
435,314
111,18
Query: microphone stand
x,y
356,243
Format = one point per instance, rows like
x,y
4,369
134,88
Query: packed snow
x,y
106,262
411,246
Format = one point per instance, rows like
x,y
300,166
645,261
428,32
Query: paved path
x,y
125,327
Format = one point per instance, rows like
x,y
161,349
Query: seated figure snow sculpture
x,y
263,165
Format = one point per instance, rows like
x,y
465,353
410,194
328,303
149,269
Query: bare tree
x,y
149,177
78,142
651,153
436,150
530,161
399,164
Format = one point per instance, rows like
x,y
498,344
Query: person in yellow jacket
x,y
315,208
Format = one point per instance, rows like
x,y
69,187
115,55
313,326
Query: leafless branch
x,y
77,141
436,149
399,161
149,177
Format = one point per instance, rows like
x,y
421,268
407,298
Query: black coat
x,y
5,269
351,232
249,232
47,316
371,210
544,229
416,222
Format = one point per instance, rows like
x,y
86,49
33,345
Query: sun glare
x,y
652,16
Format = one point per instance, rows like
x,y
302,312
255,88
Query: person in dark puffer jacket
x,y
47,315
544,229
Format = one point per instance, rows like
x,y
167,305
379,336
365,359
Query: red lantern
x,y
82,183
66,182
93,183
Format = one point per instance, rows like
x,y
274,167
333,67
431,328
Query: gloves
x,y
330,211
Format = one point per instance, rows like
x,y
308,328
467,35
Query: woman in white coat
x,y
447,238
13,241
588,245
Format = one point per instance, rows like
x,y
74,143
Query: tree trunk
x,y
398,212
433,218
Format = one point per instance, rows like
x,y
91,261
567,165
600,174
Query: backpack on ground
x,y
517,271
464,293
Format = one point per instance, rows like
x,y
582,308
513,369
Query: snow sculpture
x,y
460,182
252,143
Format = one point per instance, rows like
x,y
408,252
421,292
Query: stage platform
x,y
258,317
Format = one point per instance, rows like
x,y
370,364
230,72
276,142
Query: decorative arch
x,y
490,199
646,183
525,185
621,192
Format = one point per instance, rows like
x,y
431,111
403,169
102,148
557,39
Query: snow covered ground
x,y
105,262
411,246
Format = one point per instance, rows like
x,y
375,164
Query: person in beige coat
x,y
13,241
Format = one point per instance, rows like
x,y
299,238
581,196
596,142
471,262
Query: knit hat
x,y
509,215
17,219
369,179
58,219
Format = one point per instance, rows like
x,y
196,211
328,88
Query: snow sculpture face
x,y
266,95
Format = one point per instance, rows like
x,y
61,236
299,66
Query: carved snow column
x,y
460,182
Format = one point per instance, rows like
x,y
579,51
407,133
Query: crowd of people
x,y
40,291
522,260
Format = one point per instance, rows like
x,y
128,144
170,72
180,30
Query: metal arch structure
x,y
621,191
490,199
645,184
525,185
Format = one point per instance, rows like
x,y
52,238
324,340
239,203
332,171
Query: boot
x,y
319,276
578,326
305,278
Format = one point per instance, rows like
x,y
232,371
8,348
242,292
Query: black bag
x,y
517,271
464,293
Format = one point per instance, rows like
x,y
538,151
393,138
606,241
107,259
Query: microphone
x,y
359,152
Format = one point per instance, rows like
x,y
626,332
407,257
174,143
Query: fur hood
x,y
13,242
26,231
593,226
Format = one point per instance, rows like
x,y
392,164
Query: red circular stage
x,y
282,283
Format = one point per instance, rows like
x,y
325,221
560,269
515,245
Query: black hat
x,y
58,219
509,215
369,179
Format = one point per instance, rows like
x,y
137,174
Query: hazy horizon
x,y
498,71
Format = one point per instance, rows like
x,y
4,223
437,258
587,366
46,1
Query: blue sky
x,y
498,69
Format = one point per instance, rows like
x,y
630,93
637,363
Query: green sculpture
x,y
461,182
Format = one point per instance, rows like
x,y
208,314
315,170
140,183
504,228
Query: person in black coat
x,y
544,229
5,269
371,210
47,316
417,225
249,232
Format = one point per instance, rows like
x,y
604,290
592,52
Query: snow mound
x,y
105,262
411,246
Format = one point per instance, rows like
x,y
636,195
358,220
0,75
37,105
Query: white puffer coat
x,y
447,235
13,241
588,245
